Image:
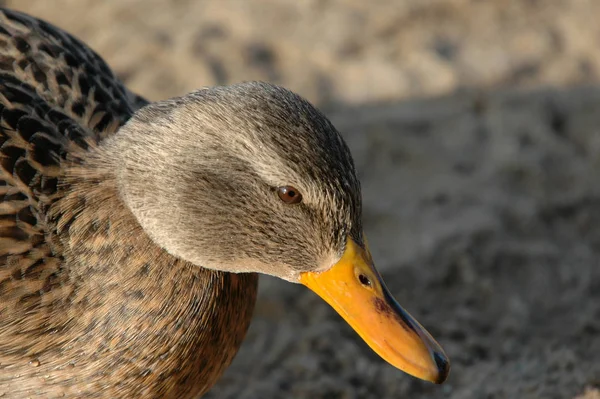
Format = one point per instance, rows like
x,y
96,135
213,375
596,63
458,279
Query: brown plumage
x,y
89,306
92,304
131,233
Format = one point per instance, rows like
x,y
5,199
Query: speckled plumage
x,y
76,331
90,305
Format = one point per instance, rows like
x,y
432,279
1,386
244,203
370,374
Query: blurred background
x,y
475,126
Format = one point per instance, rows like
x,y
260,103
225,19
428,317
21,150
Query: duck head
x,y
253,178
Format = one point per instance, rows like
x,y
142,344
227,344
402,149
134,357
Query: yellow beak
x,y
354,288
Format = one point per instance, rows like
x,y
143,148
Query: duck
x,y
132,233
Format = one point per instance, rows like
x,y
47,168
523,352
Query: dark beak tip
x,y
443,367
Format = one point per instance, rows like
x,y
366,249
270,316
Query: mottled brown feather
x,y
89,306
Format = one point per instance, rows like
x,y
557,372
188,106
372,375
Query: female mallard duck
x,y
131,232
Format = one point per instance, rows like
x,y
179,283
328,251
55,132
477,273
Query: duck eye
x,y
289,194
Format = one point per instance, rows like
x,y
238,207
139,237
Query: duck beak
x,y
354,288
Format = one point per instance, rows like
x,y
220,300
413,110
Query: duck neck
x,y
154,302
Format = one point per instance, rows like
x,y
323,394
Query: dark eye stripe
x,y
289,194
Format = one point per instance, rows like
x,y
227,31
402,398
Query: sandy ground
x,y
353,51
475,128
